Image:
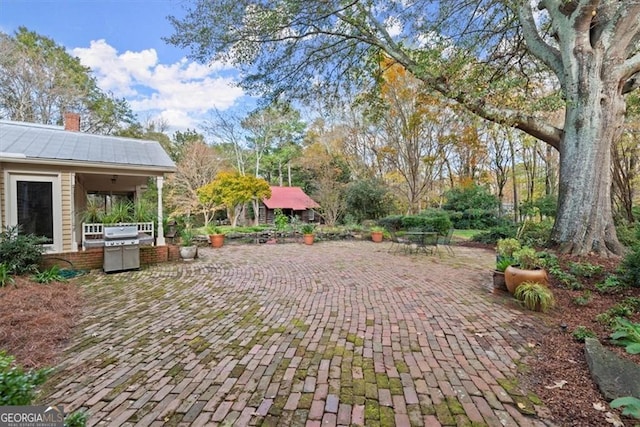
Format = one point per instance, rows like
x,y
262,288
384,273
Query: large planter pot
x,y
514,276
188,253
217,240
499,283
308,239
376,236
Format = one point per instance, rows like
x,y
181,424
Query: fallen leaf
x,y
521,405
556,384
613,419
599,406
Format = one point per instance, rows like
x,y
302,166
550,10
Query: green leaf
x,y
631,405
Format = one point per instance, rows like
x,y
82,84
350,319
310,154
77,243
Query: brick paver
x,y
336,333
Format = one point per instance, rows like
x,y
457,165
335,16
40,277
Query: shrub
x,y
506,248
528,258
584,269
367,199
432,220
20,252
5,276
583,299
17,387
630,267
612,284
472,206
535,296
535,234
580,333
393,222
280,220
492,235
627,234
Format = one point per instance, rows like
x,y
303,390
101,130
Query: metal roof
x,y
20,140
289,198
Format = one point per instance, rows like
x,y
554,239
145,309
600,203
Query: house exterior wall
x,y
67,211
69,195
267,216
3,210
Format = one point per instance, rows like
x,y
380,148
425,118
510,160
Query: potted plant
x,y
499,283
535,296
527,268
505,249
377,234
307,233
188,249
216,237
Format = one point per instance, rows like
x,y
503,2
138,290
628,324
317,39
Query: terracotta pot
x,y
499,284
376,236
513,276
308,239
217,240
188,253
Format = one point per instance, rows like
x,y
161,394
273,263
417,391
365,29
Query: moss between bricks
x,y
387,416
371,411
524,403
444,415
395,385
355,340
454,405
116,391
346,395
198,345
305,401
402,367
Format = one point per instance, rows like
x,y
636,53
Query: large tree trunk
x,y
584,223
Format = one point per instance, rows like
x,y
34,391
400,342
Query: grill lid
x,y
120,231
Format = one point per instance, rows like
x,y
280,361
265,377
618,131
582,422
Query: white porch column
x,y
160,237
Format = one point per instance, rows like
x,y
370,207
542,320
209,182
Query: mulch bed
x,y
560,357
36,320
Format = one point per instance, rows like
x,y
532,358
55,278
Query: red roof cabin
x,y
292,201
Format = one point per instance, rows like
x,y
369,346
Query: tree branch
x,y
542,50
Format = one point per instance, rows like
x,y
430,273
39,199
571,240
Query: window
x,y
35,208
34,205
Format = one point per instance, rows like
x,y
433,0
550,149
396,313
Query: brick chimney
x,y
72,122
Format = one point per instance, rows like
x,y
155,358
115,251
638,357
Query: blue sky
x,y
121,40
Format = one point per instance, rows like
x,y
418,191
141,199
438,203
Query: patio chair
x,y
445,240
397,242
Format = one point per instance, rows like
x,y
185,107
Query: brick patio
x,y
338,333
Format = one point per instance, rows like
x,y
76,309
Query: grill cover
x,y
112,232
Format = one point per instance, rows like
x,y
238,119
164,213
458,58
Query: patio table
x,y
426,241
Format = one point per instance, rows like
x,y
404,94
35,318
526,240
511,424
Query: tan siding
x,y
3,207
67,223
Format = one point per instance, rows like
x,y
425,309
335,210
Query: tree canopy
x,y
40,81
505,61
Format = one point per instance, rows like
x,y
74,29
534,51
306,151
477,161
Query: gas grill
x,y
121,248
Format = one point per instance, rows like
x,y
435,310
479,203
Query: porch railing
x,y
92,234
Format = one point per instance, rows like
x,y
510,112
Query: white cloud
x,y
178,92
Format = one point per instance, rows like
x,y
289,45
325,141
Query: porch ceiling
x,y
111,182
